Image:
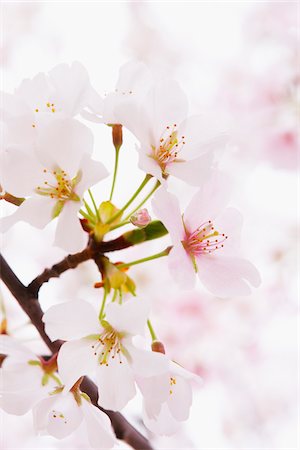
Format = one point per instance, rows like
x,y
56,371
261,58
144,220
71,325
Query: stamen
x,y
198,242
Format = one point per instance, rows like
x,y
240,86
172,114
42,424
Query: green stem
x,y
94,204
121,224
148,258
152,332
101,313
139,189
115,173
156,186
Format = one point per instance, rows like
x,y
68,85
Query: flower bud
x,y
141,218
117,135
158,346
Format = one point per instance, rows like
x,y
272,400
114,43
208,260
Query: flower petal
x,y
35,211
193,172
163,424
92,172
166,208
227,276
71,320
180,399
63,143
75,359
130,317
146,363
115,383
98,425
69,234
209,201
181,267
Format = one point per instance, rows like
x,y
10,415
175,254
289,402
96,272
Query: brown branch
x,y
30,305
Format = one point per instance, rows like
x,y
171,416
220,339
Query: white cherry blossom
x,y
106,348
61,414
167,399
54,179
171,143
63,93
134,81
206,240
24,379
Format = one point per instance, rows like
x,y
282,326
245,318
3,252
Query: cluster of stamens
x,y
205,239
58,415
108,346
62,189
50,107
169,147
172,383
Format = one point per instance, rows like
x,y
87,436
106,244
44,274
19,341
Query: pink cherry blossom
x,y
54,179
105,347
171,143
205,240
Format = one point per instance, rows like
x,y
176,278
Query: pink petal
x,y
227,276
209,201
166,208
181,267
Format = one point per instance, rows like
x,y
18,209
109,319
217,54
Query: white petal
x,y
201,135
63,143
75,359
181,267
98,425
35,211
10,346
92,173
164,424
116,384
166,208
21,172
230,222
193,172
130,317
61,416
70,235
209,201
147,363
71,320
149,165
155,390
227,276
72,87
166,104
180,400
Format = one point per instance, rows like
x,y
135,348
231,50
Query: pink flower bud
x,y
141,218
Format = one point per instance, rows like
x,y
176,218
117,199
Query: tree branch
x,y
28,301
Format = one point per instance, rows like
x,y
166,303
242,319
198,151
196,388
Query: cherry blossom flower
x,y
61,414
170,143
167,399
25,379
54,178
133,83
63,93
205,240
106,347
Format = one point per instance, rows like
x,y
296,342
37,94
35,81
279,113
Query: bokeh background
x,y
239,62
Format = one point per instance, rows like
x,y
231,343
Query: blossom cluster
x,y
47,171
